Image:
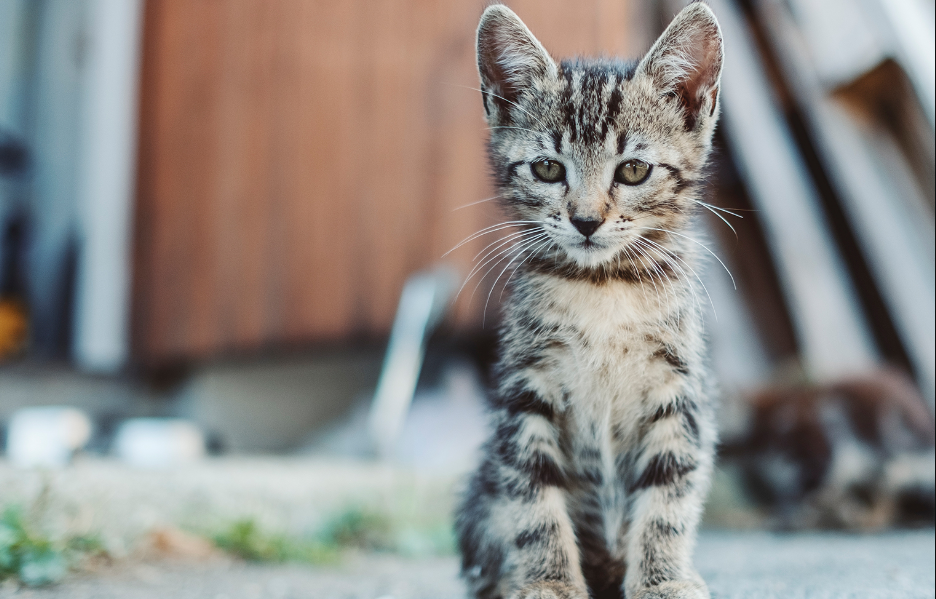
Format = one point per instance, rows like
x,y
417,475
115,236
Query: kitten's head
x,y
599,155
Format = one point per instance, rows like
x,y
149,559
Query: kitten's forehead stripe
x,y
614,108
557,140
622,142
567,105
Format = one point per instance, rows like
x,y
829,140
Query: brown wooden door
x,y
300,158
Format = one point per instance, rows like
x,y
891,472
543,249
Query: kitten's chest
x,y
604,374
613,338
621,351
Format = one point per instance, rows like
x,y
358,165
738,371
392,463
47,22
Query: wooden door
x,y
300,158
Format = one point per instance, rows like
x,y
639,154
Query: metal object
x,y
422,305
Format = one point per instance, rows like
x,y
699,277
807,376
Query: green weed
x,y
353,529
359,528
245,539
34,558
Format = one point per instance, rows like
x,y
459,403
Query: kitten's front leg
x,y
668,481
542,556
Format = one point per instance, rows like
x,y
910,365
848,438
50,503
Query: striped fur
x,y
593,479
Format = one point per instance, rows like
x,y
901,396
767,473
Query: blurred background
x,y
214,214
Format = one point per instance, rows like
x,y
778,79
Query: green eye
x,y
632,172
549,171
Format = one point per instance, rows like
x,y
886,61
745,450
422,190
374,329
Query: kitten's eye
x,y
549,171
632,172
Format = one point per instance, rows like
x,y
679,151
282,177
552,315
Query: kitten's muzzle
x,y
586,226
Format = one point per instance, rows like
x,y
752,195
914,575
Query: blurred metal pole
x,y
423,302
106,183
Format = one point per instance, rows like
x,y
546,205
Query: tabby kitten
x,y
593,480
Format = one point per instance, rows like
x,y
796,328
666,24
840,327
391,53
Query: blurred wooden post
x,y
833,335
884,205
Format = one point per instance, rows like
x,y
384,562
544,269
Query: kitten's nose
x,y
586,226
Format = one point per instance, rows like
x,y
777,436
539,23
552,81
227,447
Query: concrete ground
x,y
736,565
298,494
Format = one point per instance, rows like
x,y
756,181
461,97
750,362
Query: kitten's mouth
x,y
589,245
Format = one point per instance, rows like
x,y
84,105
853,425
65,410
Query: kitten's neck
x,y
617,302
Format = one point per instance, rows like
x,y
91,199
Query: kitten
x,y
593,480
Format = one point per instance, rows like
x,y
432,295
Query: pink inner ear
x,y
492,71
700,81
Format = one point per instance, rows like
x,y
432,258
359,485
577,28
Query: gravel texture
x,y
735,564
818,566
125,505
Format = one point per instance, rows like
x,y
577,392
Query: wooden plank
x,y
875,185
831,329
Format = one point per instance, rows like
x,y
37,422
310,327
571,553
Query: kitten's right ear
x,y
509,59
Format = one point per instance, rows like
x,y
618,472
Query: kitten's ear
x,y
687,61
509,59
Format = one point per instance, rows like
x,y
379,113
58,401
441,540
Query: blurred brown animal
x,y
855,454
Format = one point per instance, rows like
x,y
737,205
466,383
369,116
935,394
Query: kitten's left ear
x,y
687,61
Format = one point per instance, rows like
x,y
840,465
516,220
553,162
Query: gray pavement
x,y
735,564
818,566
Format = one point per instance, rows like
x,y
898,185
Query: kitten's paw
x,y
550,590
675,590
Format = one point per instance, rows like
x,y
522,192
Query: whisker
x,y
665,277
504,245
516,250
488,230
509,236
692,270
645,243
724,220
499,255
505,100
501,273
640,256
719,208
536,251
703,246
475,203
630,257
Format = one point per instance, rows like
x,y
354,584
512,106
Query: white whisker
x,y
475,203
511,252
489,230
719,208
499,275
724,220
509,236
703,246
500,254
504,245
526,112
692,270
644,243
536,251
